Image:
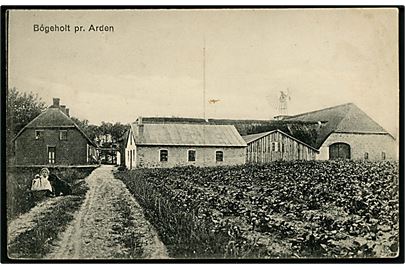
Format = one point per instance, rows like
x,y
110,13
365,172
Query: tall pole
x,y
204,109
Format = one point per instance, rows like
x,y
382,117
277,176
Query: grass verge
x,y
18,185
38,241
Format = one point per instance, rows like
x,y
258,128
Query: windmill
x,y
283,102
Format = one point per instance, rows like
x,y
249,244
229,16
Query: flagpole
x,y
204,105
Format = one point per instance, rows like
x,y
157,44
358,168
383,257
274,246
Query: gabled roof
x,y
253,137
172,120
53,117
345,118
188,135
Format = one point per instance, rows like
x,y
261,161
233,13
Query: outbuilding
x,y
174,144
346,132
276,145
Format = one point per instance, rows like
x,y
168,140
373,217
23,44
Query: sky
x,y
152,63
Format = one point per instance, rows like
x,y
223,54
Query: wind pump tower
x,y
283,102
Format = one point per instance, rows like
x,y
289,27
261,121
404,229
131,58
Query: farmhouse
x,y
276,145
53,138
346,132
176,144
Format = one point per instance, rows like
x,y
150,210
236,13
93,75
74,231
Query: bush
x,y
18,184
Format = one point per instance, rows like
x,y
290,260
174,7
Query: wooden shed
x,y
276,145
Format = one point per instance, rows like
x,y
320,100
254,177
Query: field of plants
x,y
18,184
342,209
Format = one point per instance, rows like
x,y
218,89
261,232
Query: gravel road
x,y
109,225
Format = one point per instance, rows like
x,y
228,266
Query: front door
x,y
51,154
339,151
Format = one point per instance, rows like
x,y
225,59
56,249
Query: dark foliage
x,y
19,179
21,109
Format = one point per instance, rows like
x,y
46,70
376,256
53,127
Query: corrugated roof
x,y
342,118
189,134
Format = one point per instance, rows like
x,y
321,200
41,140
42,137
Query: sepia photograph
x,y
167,134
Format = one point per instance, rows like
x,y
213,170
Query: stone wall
x,y
149,156
373,144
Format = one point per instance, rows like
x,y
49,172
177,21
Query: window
x,y
383,156
282,147
365,155
191,155
274,146
51,154
38,134
63,135
219,156
163,155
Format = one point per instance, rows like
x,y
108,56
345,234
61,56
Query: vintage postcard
x,y
239,134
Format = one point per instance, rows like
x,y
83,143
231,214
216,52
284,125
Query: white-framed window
x,y
191,155
164,155
383,156
219,156
38,134
366,155
63,135
51,154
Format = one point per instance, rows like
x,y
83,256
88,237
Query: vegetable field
x,y
342,209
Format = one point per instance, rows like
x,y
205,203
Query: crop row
x,y
282,209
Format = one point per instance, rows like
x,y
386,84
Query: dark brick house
x,y
53,138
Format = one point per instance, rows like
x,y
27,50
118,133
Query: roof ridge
x,y
338,126
260,133
320,110
19,133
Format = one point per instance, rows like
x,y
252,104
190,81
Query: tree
x,y
95,133
92,131
118,130
21,108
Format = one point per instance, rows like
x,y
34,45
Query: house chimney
x,y
56,102
63,108
67,112
140,128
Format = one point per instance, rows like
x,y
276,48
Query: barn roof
x,y
53,117
303,131
172,120
189,134
345,118
253,137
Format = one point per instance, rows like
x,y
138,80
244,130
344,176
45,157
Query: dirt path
x,y
109,224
